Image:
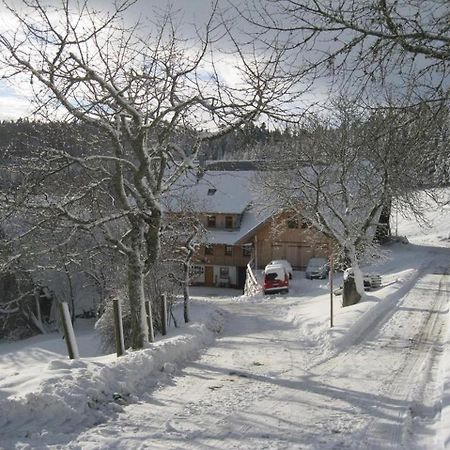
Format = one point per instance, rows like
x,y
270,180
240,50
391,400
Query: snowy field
x,y
258,373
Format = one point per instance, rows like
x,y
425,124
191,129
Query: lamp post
x,y
331,288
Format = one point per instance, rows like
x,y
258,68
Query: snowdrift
x,y
85,392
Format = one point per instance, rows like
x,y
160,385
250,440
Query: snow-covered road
x,y
260,387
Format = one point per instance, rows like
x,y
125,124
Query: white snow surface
x,y
265,372
219,192
225,192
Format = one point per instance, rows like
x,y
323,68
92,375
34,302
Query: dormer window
x,y
211,222
212,191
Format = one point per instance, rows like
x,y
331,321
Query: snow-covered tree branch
x,y
146,91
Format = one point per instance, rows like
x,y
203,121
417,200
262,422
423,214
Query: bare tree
x,y
146,94
395,45
185,231
341,169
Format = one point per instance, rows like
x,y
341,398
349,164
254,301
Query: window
x,y
224,272
247,250
196,271
211,222
292,223
212,191
209,250
228,250
228,222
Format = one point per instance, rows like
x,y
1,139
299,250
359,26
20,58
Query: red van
x,y
276,279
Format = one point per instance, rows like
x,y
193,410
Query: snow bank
x,y
358,320
84,392
310,312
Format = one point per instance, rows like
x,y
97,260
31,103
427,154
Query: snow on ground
x,y
42,392
276,377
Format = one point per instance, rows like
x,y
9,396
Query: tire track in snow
x,y
282,404
410,382
205,406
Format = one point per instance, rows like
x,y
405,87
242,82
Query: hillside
x,y
261,372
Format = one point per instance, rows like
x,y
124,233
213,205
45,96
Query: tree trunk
x,y
354,284
186,293
152,238
71,293
359,281
136,295
350,295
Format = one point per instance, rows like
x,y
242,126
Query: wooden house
x,y
239,231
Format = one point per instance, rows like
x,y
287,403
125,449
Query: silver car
x,y
317,268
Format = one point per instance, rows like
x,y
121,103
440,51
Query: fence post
x,y
163,314
69,335
118,328
148,310
331,274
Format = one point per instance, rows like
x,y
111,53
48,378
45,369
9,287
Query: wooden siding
x,y
219,257
297,245
220,221
274,240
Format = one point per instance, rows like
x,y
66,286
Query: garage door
x,y
292,255
278,251
306,253
297,255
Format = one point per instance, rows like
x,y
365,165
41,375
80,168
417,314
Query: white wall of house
x,y
227,272
221,274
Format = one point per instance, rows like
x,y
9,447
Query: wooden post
x,y
331,289
163,314
118,328
148,310
256,254
69,335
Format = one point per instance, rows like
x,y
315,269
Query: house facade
x,y
276,238
238,232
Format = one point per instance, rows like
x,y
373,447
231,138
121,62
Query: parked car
x,y
276,279
285,263
371,280
317,268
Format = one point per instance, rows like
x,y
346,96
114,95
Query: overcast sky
x,y
190,13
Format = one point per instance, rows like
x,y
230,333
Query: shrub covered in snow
x,y
161,280
105,324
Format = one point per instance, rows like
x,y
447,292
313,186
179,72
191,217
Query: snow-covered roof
x,y
215,192
219,192
251,220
